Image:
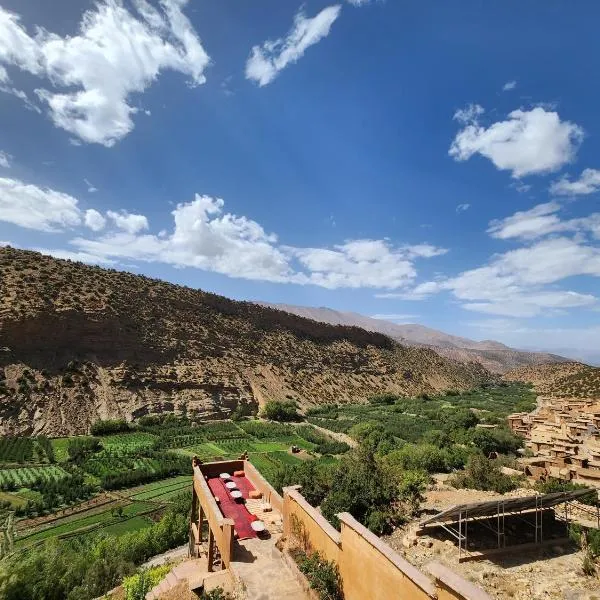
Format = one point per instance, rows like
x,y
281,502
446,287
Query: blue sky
x,y
429,162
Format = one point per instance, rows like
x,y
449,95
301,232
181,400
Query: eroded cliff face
x,y
78,343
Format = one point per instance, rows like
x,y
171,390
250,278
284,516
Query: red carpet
x,y
232,509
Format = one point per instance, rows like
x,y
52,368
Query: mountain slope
x,y
564,380
79,343
494,356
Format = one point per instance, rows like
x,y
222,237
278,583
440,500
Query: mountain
x,y
494,356
564,380
78,343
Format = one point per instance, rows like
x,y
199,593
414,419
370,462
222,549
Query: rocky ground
x,y
551,573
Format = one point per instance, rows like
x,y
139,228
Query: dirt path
x,y
340,437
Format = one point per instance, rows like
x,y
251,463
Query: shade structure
x,y
490,508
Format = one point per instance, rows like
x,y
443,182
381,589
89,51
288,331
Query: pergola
x,y
492,514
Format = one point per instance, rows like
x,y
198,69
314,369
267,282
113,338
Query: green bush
x,y
109,426
483,474
137,586
323,575
275,410
501,441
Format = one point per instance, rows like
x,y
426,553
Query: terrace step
x,y
186,571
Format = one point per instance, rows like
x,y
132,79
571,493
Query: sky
x,y
420,161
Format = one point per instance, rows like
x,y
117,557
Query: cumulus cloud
x,y
268,59
509,85
131,223
5,160
542,220
38,208
462,207
528,142
588,183
94,220
515,283
115,54
204,236
539,220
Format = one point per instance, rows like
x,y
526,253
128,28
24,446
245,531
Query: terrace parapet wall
x,y
368,567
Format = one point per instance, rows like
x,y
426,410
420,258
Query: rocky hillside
x,y
494,356
78,343
565,380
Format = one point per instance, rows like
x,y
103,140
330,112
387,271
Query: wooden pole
x,y
211,550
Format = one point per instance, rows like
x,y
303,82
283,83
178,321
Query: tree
x,y
500,441
362,489
275,410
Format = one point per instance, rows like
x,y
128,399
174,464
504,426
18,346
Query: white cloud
x,y
5,160
588,183
542,220
83,257
205,238
358,2
419,292
38,208
91,188
114,55
267,60
529,142
462,207
468,114
538,221
131,223
509,85
363,263
94,220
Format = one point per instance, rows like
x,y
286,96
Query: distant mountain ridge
x,y
494,356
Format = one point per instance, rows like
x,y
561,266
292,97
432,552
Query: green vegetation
x,y
84,567
323,575
275,410
109,426
483,474
137,586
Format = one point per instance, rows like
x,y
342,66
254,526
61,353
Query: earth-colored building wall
x,y
262,485
368,567
371,569
308,527
221,528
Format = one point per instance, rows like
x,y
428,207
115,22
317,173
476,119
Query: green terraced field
x,y
24,476
133,524
84,523
128,442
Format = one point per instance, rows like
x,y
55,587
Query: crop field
x,y
60,446
128,442
93,520
25,476
409,419
164,489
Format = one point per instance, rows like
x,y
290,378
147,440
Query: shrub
x,y
109,427
483,474
137,586
386,399
500,441
275,410
323,575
